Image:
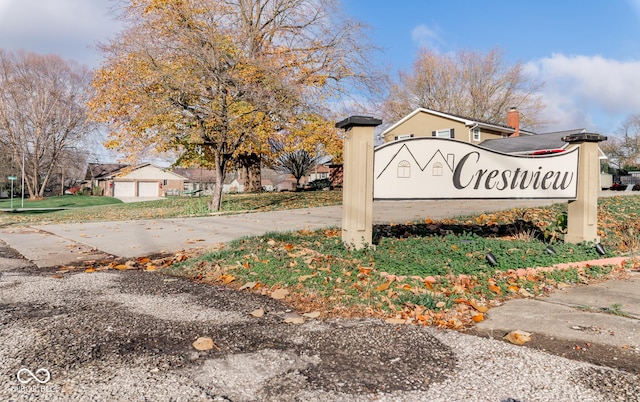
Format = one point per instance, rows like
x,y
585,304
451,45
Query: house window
x,y
476,134
404,169
403,136
437,169
446,133
164,182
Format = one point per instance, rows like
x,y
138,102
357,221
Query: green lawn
x,y
66,201
87,209
431,272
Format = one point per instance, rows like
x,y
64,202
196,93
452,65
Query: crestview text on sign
x,y
435,168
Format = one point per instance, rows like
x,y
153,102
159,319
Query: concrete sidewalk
x,y
606,313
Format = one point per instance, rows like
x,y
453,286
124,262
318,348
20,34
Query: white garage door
x,y
148,189
124,189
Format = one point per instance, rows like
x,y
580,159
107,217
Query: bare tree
x,y
468,83
623,149
297,162
42,112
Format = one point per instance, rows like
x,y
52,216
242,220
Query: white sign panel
x,y
436,168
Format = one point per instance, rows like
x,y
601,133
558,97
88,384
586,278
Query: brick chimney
x,y
513,120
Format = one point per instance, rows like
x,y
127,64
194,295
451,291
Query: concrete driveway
x,y
60,244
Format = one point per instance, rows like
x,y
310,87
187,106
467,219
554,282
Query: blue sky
x,y
587,52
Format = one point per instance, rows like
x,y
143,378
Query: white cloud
x,y
69,28
588,91
425,37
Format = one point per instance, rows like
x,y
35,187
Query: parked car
x,y
319,184
618,187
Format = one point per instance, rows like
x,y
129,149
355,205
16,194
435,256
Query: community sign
x,y
436,168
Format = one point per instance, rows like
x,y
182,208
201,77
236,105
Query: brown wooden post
x,y
582,219
357,185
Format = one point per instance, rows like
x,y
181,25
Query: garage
x,y
124,189
148,189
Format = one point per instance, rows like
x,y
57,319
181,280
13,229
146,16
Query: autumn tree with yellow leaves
x,y
216,79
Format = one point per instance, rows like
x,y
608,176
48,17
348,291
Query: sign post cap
x,y
361,121
584,137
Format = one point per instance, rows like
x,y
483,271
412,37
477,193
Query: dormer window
x,y
403,137
445,133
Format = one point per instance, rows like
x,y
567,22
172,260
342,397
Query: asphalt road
x,y
129,335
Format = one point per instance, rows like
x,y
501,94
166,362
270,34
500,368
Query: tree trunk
x,y
250,174
216,198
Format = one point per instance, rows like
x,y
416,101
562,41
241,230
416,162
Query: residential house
x,y
288,183
509,138
431,123
196,179
319,172
538,144
267,185
205,180
144,180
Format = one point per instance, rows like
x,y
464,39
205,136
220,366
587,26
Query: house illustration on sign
x,y
405,165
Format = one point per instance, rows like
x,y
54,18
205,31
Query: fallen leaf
x,y
151,267
279,294
440,304
303,278
384,286
204,343
226,278
314,314
257,313
481,309
395,321
288,247
365,270
248,285
57,276
478,317
120,266
518,337
90,270
495,289
524,292
294,320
